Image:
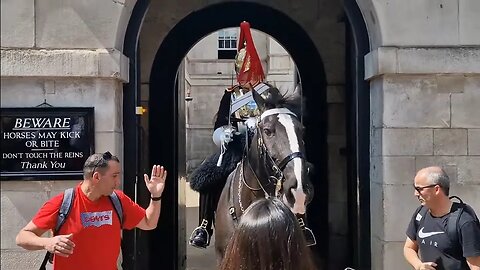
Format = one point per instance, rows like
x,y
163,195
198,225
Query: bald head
x,y
429,170
436,175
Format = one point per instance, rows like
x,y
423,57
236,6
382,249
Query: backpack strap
x,y
118,206
420,215
453,219
68,197
452,223
453,230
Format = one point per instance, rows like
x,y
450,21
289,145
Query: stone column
x,y
424,111
64,78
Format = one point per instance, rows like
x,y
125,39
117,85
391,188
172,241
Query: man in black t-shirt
x,y
427,235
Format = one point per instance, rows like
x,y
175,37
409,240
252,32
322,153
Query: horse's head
x,y
280,143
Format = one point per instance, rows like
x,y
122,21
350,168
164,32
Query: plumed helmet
x,y
239,59
247,63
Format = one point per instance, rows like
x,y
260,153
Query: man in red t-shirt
x,y
90,236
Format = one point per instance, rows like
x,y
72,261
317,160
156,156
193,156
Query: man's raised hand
x,y
156,182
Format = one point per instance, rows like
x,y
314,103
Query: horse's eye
x,y
268,132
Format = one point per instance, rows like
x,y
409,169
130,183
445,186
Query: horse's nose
x,y
300,201
308,189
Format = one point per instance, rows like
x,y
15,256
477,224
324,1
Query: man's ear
x,y
96,177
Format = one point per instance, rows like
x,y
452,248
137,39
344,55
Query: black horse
x,y
273,165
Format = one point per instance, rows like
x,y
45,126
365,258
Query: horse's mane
x,y
292,102
289,100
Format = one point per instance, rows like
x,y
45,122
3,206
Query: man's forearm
x,y
152,213
474,263
412,257
30,241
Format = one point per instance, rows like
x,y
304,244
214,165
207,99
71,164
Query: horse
x,y
273,165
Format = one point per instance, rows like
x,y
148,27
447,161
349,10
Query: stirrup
x,y
203,224
202,229
307,232
192,242
194,234
309,236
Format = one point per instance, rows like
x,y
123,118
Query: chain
x,y
254,175
240,188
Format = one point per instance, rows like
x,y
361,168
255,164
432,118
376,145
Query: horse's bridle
x,y
274,170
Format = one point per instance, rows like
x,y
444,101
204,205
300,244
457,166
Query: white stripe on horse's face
x,y
287,121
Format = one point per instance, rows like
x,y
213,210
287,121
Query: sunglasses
x,y
420,189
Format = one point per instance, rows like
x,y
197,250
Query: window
x,y
227,43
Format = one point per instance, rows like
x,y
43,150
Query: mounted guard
x,y
234,126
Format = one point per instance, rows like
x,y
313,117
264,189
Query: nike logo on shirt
x,y
422,234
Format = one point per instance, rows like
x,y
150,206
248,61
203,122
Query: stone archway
x,y
172,49
163,77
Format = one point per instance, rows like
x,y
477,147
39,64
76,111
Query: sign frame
x,y
87,113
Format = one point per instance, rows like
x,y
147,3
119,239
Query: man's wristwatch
x,y
156,198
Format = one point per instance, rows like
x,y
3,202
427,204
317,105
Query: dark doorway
x,y
159,248
357,95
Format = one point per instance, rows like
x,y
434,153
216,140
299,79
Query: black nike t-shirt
x,y
435,245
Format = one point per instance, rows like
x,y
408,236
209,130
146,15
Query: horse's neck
x,y
255,167
251,175
247,186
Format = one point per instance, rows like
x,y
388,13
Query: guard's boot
x,y
200,238
307,233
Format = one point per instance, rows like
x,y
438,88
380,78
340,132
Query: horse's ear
x,y
297,92
259,100
273,97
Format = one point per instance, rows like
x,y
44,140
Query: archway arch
x,y
165,100
165,107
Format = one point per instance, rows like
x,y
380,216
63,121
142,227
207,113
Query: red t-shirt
x,y
95,227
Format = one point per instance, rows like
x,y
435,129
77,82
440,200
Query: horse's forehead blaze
x,y
293,144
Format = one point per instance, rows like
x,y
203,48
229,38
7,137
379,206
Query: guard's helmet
x,y
247,63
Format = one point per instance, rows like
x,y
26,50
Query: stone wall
x,y
21,199
424,112
424,75
66,54
430,23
